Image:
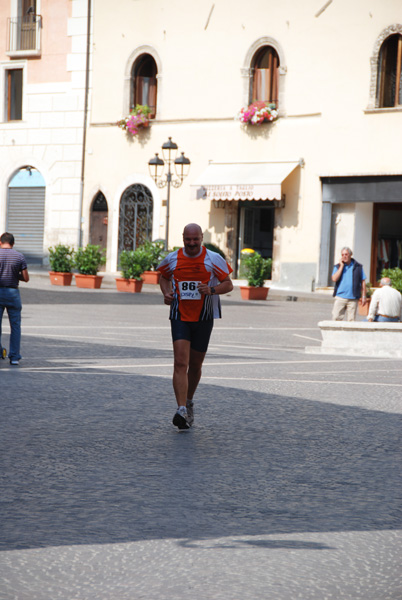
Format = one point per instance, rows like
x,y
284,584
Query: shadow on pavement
x,y
92,458
102,296
96,297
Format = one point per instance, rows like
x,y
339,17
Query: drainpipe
x,y
84,135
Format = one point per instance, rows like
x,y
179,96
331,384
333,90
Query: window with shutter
x,y
264,85
389,82
144,83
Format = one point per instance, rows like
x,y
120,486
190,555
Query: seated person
x,y
386,303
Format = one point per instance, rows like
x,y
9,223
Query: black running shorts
x,y
196,332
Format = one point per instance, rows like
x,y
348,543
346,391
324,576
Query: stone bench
x,y
359,338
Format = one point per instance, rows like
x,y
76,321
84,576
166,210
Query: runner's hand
x,y
168,298
204,288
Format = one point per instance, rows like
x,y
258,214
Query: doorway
x,y
99,223
256,228
386,247
26,213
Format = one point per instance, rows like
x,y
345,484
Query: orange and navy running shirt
x,y
186,272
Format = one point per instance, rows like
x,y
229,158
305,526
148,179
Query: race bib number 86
x,y
189,290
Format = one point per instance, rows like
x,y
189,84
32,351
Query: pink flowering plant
x,y
138,118
258,113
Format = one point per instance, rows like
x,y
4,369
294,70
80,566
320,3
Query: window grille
x,y
135,220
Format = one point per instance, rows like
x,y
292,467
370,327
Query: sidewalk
x,y
39,278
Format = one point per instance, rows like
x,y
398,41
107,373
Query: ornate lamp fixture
x,y
157,171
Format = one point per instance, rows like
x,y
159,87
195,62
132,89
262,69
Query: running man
x,y
192,279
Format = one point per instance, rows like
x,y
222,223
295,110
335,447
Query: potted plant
x,y
156,252
364,310
258,113
88,260
132,264
61,260
257,271
137,119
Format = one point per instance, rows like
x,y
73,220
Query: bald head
x,y
192,228
192,239
385,281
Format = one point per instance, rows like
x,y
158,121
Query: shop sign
x,y
242,192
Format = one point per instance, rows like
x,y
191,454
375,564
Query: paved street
x,y
288,486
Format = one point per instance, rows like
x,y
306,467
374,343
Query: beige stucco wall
x,y
325,91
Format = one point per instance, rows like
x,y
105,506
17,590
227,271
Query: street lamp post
x,y
181,168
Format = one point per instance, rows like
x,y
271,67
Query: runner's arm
x,y
166,289
224,287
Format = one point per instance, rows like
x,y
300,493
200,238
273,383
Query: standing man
x,y
13,269
350,284
386,303
191,282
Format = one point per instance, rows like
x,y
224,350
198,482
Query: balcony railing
x,y
24,35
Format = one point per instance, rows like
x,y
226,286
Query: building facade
x,y
43,85
326,173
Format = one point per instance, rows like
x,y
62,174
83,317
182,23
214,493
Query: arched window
x,y
265,76
135,219
389,80
144,83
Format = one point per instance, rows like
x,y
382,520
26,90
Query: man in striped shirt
x,y
192,279
13,269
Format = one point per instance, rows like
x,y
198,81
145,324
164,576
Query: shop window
x,y
265,76
144,83
389,81
13,95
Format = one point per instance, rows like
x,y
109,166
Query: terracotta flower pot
x,y
92,282
133,286
152,277
57,278
363,310
253,293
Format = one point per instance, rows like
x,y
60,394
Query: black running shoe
x,y
180,421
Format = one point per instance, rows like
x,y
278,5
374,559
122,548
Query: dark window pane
x,y
144,83
14,81
389,72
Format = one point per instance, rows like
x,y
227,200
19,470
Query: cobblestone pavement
x,y
288,486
